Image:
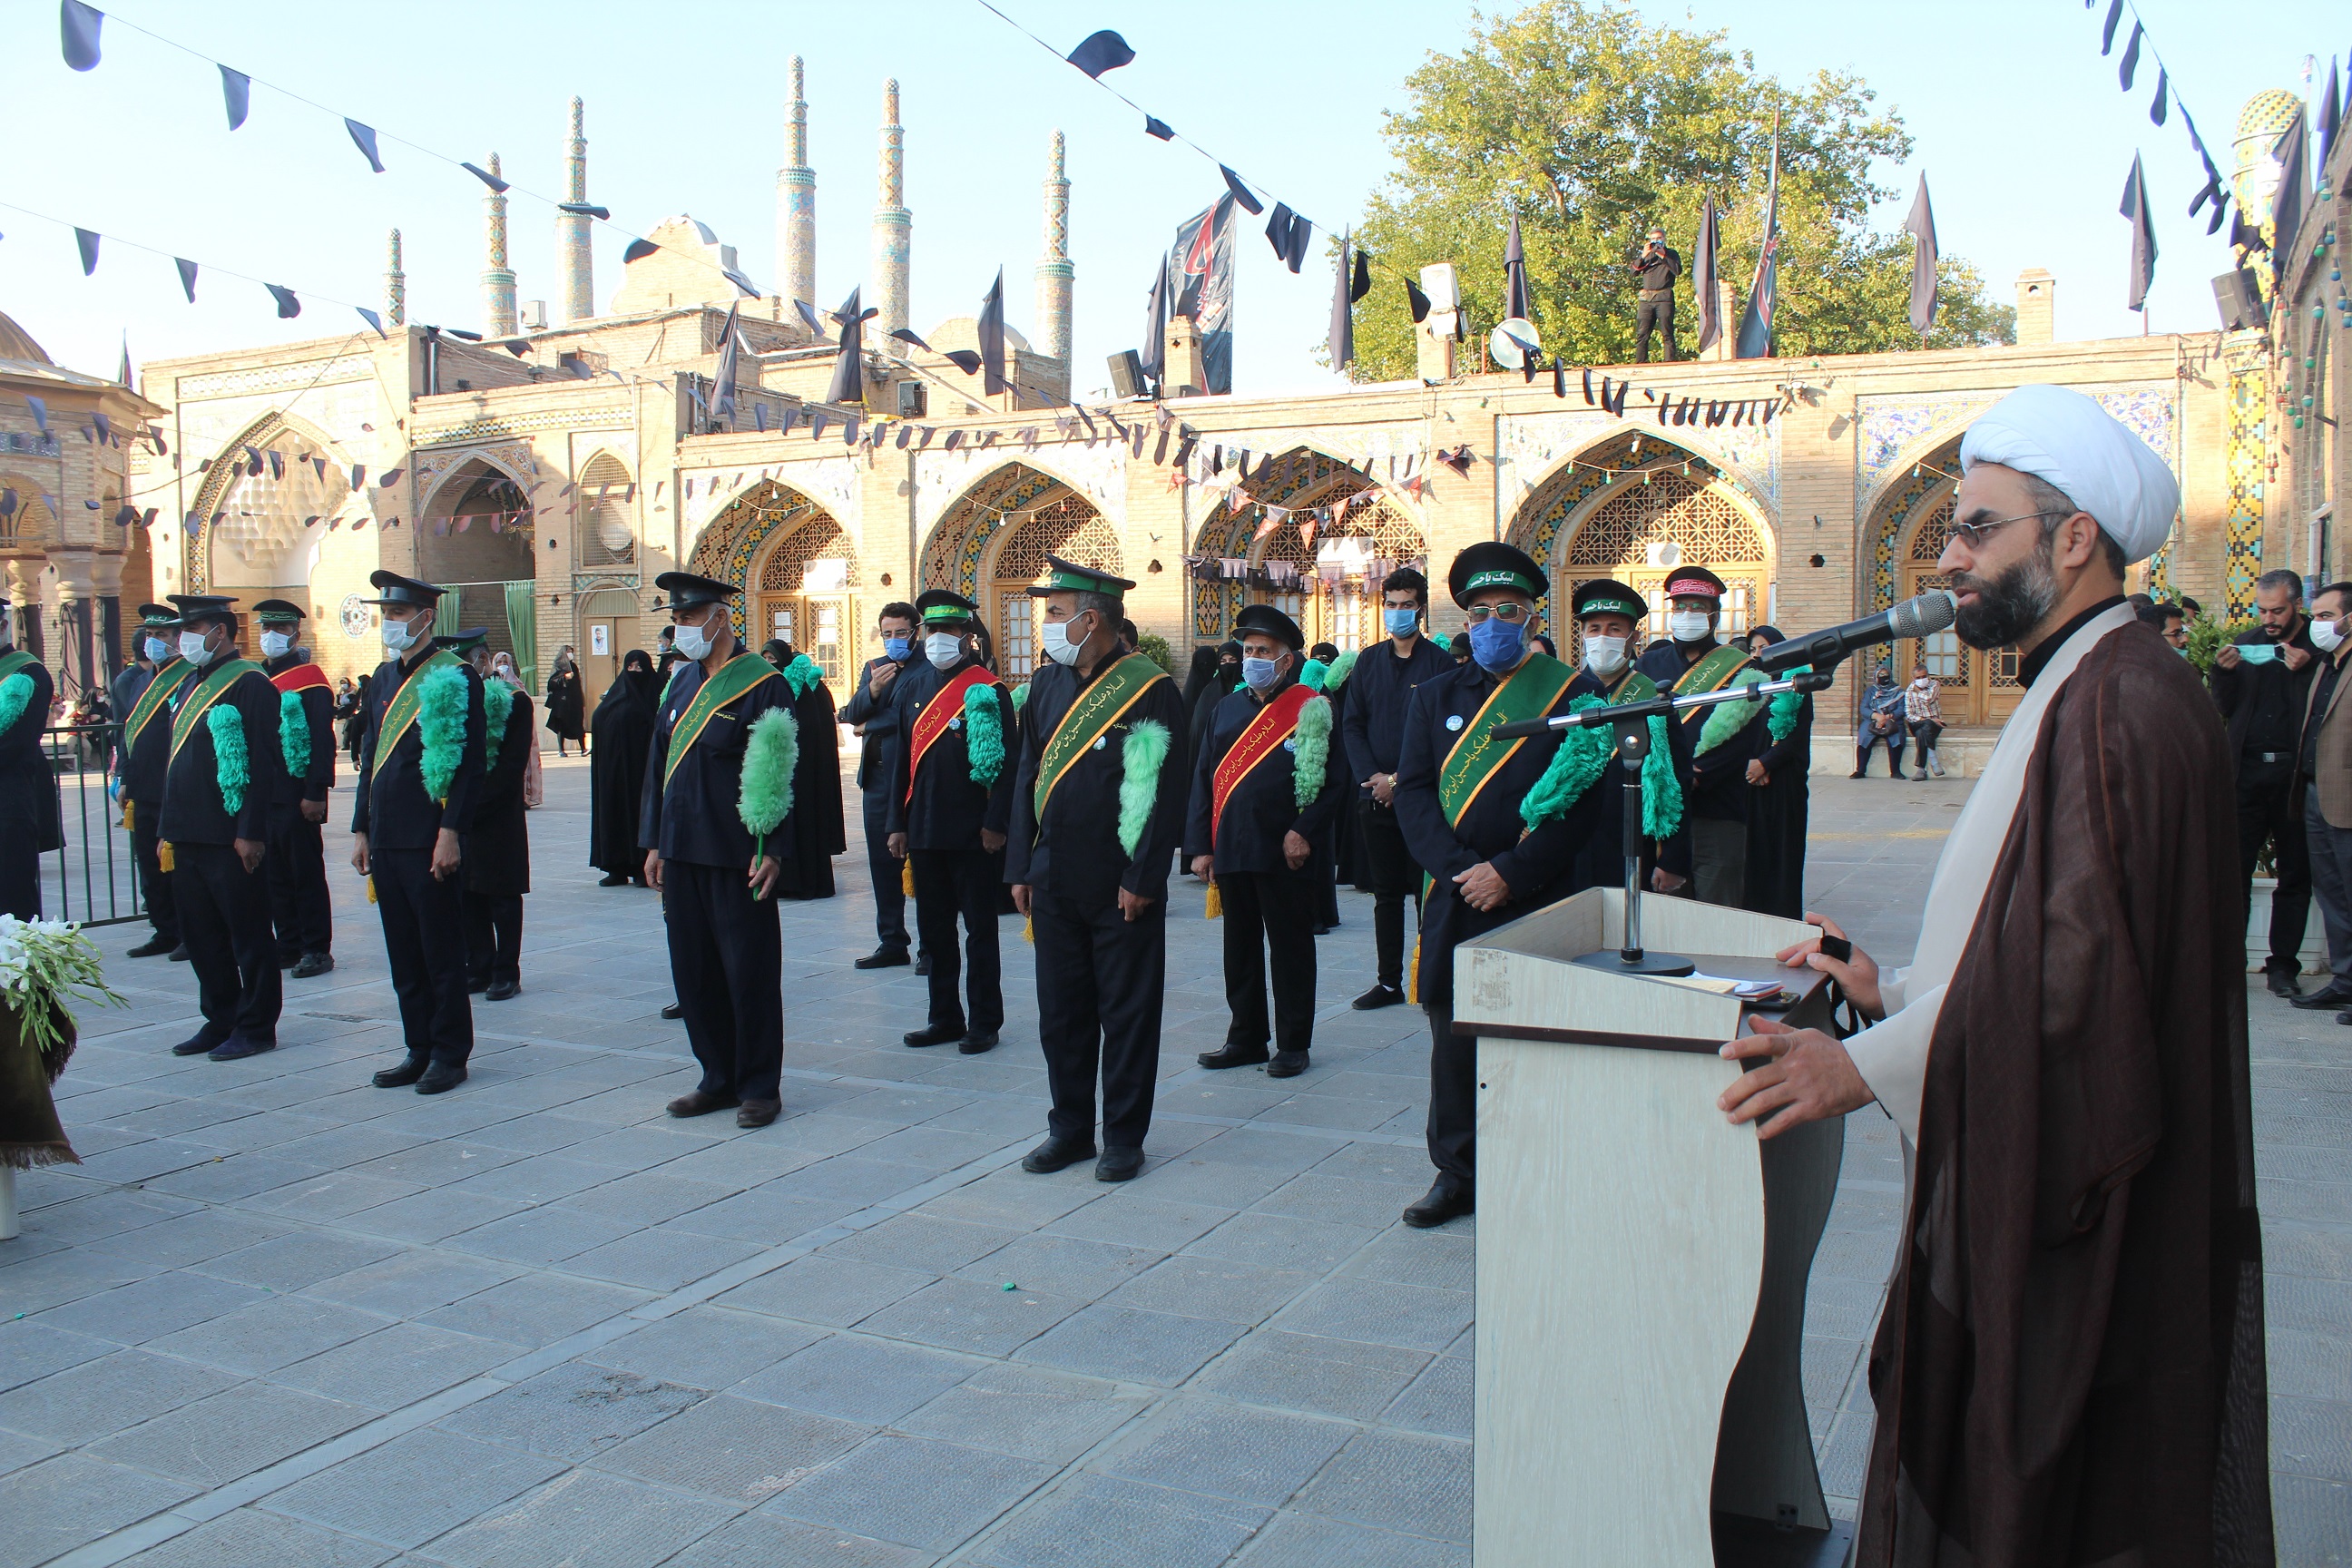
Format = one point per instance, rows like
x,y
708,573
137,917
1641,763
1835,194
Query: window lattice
x,y
818,539
1948,658
1069,528
603,494
1669,508
1935,532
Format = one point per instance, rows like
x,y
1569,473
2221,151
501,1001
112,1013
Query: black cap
x,y
465,641
1267,620
157,618
687,591
1070,577
278,610
406,592
1491,563
1692,583
942,606
1608,596
194,607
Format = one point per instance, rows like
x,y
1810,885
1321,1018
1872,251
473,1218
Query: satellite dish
x,y
1514,342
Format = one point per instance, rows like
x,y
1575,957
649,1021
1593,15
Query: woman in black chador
x,y
565,705
1778,803
616,771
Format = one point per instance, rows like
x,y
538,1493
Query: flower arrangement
x,y
45,966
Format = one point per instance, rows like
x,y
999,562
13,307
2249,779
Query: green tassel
x,y
983,735
1661,793
498,703
231,766
16,695
1583,757
1313,674
441,728
1781,717
1139,789
1313,758
769,753
1341,667
1725,719
802,674
294,735
1021,695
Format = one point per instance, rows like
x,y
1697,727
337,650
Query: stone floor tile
x,y
756,1541
1442,1259
1311,1541
1438,1401
857,1378
1346,1378
72,1499
430,1215
1283,1241
105,1214
413,1281
538,1236
231,1432
419,1485
741,1450
330,1196
646,1197
1132,1220
1063,1266
1049,1417
707,1347
1211,1288
922,1242
915,1490
394,1367
272,1333
835,1292
31,1350
972,1316
854,1178
1225,1450
191,1237
249,1538
1345,1199
2311,1437
2314,1520
535,1309
19,1452
1121,1343
150,1309
765,1215
572,1411
1395,1480
1408,1315
145,1162
659,1258
537,1179
1101,1521
299,1258
583,1520
1013,1198
105,1395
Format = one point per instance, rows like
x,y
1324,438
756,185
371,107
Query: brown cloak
x,y
2069,1371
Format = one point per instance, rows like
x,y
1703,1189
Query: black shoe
x,y
883,958
933,1035
153,947
614,879
180,954
1857,773
1233,1056
288,962
695,1103
978,1041
674,1011
1120,1165
2282,983
1378,996
314,963
1449,1197
407,1073
2326,998
1325,931
477,983
1054,1154
1287,1063
500,990
238,1046
440,1079
200,1044
922,963
757,1112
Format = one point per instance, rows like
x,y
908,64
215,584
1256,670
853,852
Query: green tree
x,y
1592,125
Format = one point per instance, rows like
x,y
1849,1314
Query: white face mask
x,y
692,642
397,637
1053,636
2326,636
1690,625
1604,656
193,648
275,643
943,649
158,650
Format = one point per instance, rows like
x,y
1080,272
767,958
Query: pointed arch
x,y
265,510
603,508
1337,532
991,542
477,525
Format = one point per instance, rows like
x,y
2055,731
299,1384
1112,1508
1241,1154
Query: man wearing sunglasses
x,y
1712,749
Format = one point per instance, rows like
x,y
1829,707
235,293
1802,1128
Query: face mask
x,y
692,642
1603,655
1053,636
1260,674
943,649
158,650
895,648
1496,644
1690,625
396,635
1401,622
193,648
275,643
2326,636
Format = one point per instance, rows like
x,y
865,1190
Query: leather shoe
x,y
1449,1197
287,961
674,1011
614,879
238,1046
1120,1165
407,1073
922,963
199,1044
500,990
2329,996
153,947
1233,1056
1287,1063
757,1112
933,1035
1054,1155
695,1103
313,964
180,954
978,1041
1378,996
883,958
2282,983
440,1079
2344,1017
477,983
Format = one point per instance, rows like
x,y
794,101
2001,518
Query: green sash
x,y
1528,692
1098,707
406,702
1711,674
209,691
736,677
168,676
1634,688
13,661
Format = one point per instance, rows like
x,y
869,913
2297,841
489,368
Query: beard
x,y
2007,607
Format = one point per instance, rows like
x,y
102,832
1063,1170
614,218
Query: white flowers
x,y
44,965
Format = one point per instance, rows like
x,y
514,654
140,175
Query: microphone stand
x,y
1631,725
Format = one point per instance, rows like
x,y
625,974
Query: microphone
x,y
1931,612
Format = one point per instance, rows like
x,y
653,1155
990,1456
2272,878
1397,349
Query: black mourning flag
x,y
1706,257
848,385
2143,254
1342,338
992,338
1249,204
2286,207
236,95
1922,228
1103,51
1515,276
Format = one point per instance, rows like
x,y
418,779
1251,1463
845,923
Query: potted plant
x,y
45,966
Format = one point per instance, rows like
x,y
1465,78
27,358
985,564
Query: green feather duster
x,y
16,695
441,728
1725,719
293,734
1583,757
802,674
498,703
1313,758
1341,667
1781,717
769,753
231,766
1661,793
983,735
1139,761
1313,674
1021,695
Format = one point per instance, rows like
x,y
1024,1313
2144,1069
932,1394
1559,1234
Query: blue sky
x,y
2018,123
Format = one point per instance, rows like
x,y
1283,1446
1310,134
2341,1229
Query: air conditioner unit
x,y
912,405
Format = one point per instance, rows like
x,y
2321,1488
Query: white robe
x,y
1891,1055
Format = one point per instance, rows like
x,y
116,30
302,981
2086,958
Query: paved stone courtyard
x,y
281,1318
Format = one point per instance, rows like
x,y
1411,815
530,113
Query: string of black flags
x,y
2166,98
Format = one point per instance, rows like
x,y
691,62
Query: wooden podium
x,y
1642,1262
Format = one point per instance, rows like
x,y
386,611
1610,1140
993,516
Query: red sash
x,y
1275,723
932,721
301,678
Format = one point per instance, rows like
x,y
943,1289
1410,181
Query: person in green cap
x,y
139,760
300,774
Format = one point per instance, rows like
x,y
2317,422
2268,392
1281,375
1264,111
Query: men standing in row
x,y
1492,847
1264,788
420,771
951,802
2262,682
1097,812
300,774
2324,785
719,787
1608,616
214,832
140,761
1380,691
1713,744
29,788
496,869
871,713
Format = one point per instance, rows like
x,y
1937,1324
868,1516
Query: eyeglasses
x,y
1973,534
1511,611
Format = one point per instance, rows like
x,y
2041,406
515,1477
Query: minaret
x,y
1055,272
498,278
796,206
894,225
396,285
574,257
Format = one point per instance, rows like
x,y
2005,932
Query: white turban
x,y
2088,455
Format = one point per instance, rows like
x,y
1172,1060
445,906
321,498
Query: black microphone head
x,y
1931,612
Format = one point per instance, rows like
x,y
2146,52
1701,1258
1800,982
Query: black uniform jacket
x,y
1075,852
28,785
949,809
149,752
318,712
1380,689
497,845
879,719
1265,805
1715,785
391,808
697,816
194,812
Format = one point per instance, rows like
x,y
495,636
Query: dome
x,y
17,345
2262,122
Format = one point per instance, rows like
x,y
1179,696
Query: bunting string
x,y
2166,98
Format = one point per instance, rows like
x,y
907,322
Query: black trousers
x,y
425,941
493,938
1099,980
162,905
1393,878
1270,912
2263,815
224,921
1868,741
297,867
890,896
1923,741
726,959
1453,1096
960,882
1654,312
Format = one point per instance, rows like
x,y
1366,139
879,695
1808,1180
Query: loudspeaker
x,y
1127,374
1443,285
2240,301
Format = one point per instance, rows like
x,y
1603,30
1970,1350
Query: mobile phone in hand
x,y
1836,947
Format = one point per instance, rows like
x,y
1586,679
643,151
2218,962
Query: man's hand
x,y
314,811
360,853
1809,1077
896,845
1756,773
652,869
991,841
1295,849
879,679
2295,657
1856,976
444,854
249,851
1665,882
1021,898
1482,887
766,872
2226,657
1133,905
1383,788
1205,868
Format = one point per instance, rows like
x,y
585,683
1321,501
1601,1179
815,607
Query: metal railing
x,y
95,877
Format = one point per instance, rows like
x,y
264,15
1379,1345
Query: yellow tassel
x,y
1214,910
163,856
1029,930
370,885
906,877
129,807
1412,975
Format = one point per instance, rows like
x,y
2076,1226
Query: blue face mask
x,y
1259,674
896,648
1496,644
1401,622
